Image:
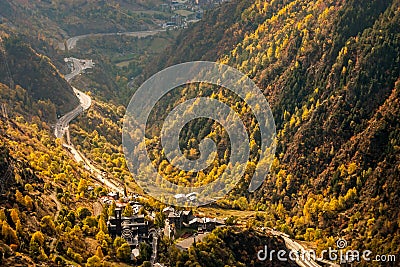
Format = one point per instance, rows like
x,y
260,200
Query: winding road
x,y
297,247
71,42
62,125
78,66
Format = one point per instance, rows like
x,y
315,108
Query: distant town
x,y
187,11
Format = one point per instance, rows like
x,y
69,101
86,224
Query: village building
x,y
134,229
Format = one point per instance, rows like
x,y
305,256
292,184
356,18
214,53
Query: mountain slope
x,y
24,67
330,71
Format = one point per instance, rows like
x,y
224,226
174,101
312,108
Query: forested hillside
x,y
29,71
43,190
330,70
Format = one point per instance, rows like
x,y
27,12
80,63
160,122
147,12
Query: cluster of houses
x,y
187,11
179,219
121,202
136,229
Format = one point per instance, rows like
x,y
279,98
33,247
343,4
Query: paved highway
x,y
71,42
297,247
78,66
302,261
62,126
85,101
99,176
63,122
